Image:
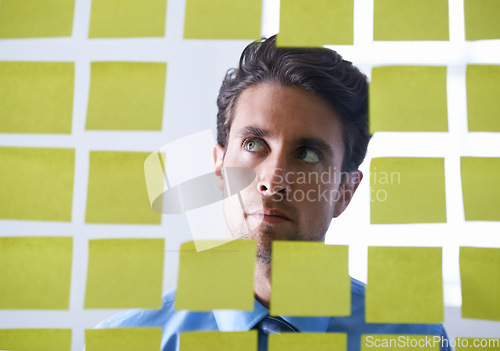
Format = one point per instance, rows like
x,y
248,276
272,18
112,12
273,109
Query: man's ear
x,y
218,156
347,188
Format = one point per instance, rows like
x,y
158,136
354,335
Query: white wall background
x,y
194,73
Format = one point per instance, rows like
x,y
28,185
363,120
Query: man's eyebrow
x,y
318,144
253,131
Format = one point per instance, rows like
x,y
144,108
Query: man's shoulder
x,y
165,317
143,317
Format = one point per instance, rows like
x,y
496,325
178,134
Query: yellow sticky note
x,y
127,18
35,339
481,19
223,19
313,273
123,339
36,19
35,272
126,96
117,189
37,183
313,24
394,342
407,190
483,97
480,279
477,344
405,285
408,98
125,273
36,97
218,341
480,188
203,273
307,341
410,20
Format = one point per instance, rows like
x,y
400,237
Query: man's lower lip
x,y
271,219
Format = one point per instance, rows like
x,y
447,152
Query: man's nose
x,y
273,177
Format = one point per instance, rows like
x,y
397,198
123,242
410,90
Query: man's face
x,y
292,139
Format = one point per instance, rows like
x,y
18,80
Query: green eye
x,y
253,146
308,155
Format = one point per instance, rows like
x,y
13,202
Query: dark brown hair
x,y
318,70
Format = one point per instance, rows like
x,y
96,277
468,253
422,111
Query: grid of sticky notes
x,y
408,98
310,272
35,272
123,339
407,190
36,19
223,19
117,190
36,97
481,19
35,339
327,22
307,341
127,18
480,280
410,20
483,97
218,341
126,96
125,273
202,274
37,183
481,202
405,285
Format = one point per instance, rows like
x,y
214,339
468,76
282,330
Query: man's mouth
x,y
271,215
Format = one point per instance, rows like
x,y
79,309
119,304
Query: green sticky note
x,y
395,342
35,272
36,19
127,18
313,273
405,285
223,19
126,96
325,22
477,344
481,200
117,189
37,183
410,20
36,97
218,341
408,99
407,190
203,273
123,339
480,279
481,19
35,339
307,341
125,273
483,97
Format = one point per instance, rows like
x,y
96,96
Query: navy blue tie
x,y
272,325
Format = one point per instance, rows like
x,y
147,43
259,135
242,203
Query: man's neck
x,y
262,282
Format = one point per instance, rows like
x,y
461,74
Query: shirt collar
x,y
237,320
